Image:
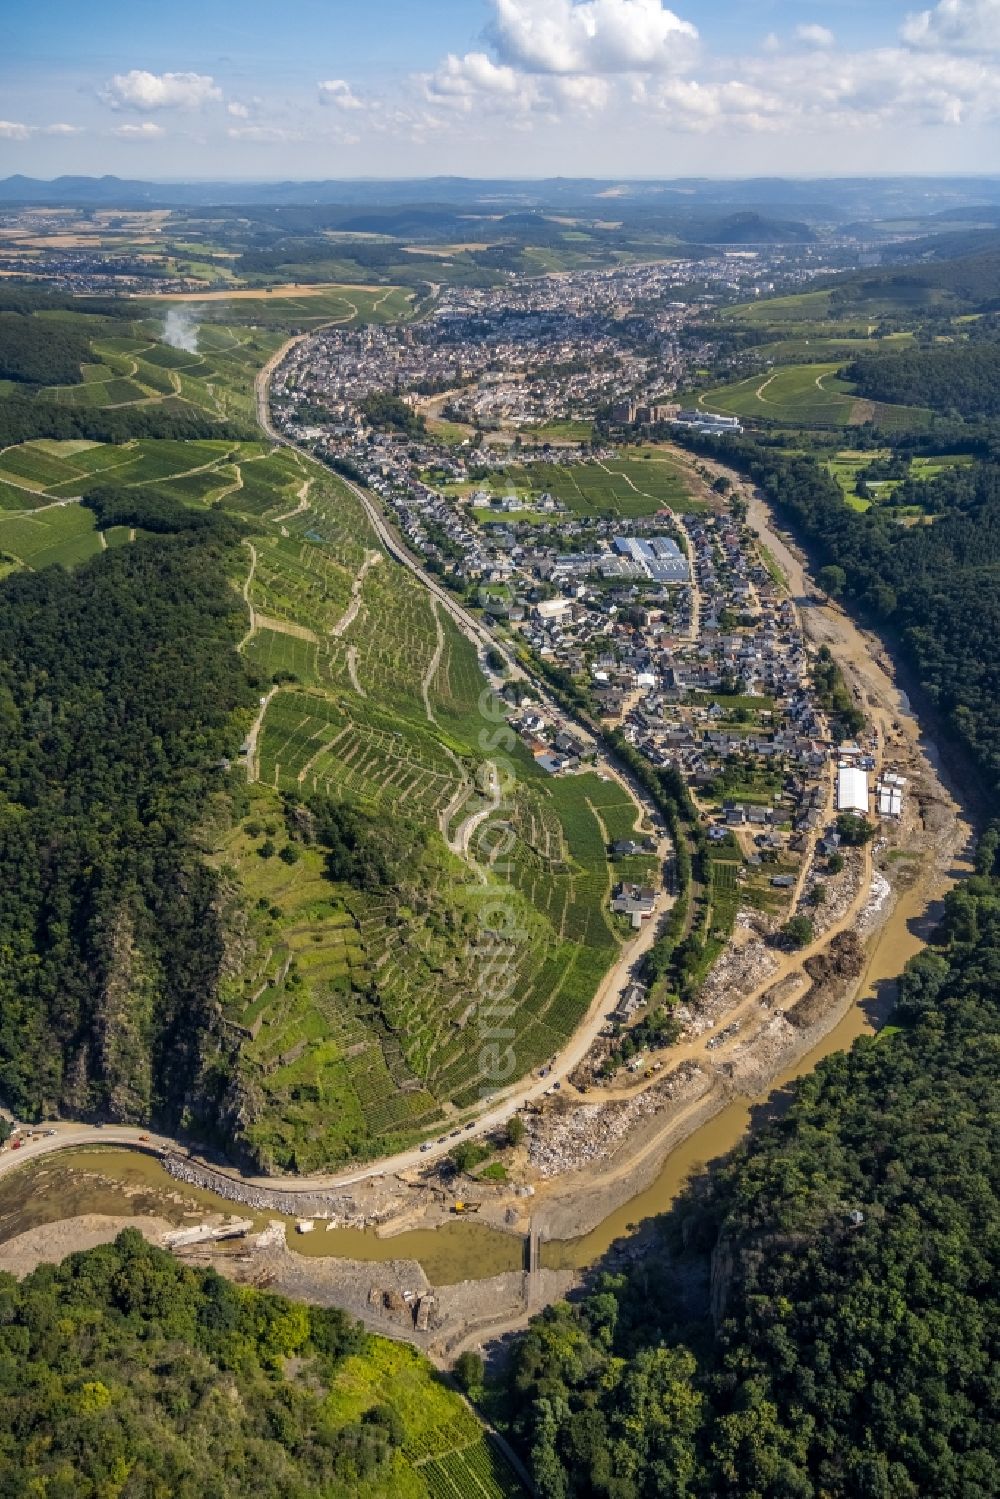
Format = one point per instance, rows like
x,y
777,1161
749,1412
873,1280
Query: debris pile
x,y
560,1141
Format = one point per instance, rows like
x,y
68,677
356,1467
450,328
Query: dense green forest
x,y
23,419
123,1372
41,353
120,694
819,1314
150,511
963,379
969,282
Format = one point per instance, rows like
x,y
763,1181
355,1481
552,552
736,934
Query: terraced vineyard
x,y
376,701
299,307
362,1016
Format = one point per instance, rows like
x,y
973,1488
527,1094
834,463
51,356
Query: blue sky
x,y
498,87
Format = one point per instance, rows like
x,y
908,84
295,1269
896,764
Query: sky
x,y
256,89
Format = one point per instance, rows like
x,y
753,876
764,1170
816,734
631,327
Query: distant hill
x,y
833,200
746,229
957,283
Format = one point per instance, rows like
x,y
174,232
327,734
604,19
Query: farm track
x,y
246,597
435,662
253,738
351,613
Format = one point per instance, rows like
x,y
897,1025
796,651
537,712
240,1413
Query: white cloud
x,y
147,131
13,130
827,92
238,111
338,92
262,133
475,74
591,36
692,106
956,26
143,91
581,92
815,36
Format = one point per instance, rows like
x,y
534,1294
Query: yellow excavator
x,y
460,1209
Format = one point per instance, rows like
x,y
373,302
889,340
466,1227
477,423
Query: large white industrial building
x,y
852,790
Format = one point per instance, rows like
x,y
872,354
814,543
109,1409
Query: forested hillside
x,y
120,694
125,1373
957,283
962,379
819,1315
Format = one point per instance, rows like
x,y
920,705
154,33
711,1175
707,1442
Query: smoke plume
x,y
180,330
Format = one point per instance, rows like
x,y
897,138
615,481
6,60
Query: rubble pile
x,y
565,1140
871,912
737,972
841,890
341,1209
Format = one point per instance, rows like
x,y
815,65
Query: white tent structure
x,y
852,790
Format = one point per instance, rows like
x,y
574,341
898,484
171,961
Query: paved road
x,y
494,1113
497,1110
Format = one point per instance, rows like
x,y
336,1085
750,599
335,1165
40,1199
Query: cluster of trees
x,y
156,512
121,693
961,378
817,1314
23,418
655,1030
42,352
387,411
362,849
123,1371
828,683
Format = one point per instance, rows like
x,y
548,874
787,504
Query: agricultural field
x,y
285,307
444,1454
40,523
807,395
217,379
64,534
850,311
846,465
636,483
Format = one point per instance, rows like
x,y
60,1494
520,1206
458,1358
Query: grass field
x,y
807,395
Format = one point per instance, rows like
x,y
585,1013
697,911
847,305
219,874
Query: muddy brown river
x,y
121,1182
